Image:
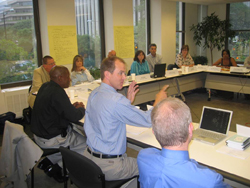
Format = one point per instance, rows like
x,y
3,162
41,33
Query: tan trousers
x,y
75,140
115,168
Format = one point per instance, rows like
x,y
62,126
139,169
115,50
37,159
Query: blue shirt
x,y
171,168
139,68
78,77
106,116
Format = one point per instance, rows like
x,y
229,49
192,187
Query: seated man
x,y
153,58
51,118
112,53
40,76
107,114
171,166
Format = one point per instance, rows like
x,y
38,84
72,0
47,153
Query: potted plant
x,y
213,31
200,60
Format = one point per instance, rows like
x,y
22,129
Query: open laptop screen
x,y
215,119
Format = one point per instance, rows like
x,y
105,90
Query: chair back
x,y
82,171
171,66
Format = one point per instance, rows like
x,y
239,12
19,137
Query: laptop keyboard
x,y
212,135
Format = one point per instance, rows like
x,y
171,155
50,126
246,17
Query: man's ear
x,y
190,129
107,74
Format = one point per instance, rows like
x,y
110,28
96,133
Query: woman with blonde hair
x,y
184,58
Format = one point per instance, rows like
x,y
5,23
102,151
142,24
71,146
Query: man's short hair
x,y
170,122
108,64
153,44
45,59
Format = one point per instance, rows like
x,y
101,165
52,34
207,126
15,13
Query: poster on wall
x,y
62,43
124,41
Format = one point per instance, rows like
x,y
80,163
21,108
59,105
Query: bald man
x,y
40,76
112,53
171,166
51,118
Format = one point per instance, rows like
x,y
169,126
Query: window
x,y
88,32
18,47
140,25
180,26
239,16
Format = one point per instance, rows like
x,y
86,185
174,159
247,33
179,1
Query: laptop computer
x,y
214,125
159,70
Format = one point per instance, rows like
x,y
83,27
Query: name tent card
x,y
143,77
239,69
171,73
214,69
201,67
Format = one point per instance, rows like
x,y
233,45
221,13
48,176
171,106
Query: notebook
x,y
214,125
159,70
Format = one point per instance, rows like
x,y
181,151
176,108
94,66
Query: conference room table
x,y
195,78
232,168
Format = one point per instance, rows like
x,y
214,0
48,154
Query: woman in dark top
x,y
226,60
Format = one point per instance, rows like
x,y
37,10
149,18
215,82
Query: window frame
x,y
228,18
39,47
182,31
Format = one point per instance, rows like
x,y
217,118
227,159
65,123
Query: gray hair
x,y
170,121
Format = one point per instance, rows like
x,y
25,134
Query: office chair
x,y
171,66
19,155
83,172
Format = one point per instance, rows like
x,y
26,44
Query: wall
x,y
163,28
55,13
123,16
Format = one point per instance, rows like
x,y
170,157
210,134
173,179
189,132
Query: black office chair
x,y
128,73
171,66
83,172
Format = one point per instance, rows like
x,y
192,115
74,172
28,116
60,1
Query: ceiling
x,y
210,2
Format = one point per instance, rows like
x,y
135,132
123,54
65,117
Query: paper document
x,y
135,130
234,152
243,130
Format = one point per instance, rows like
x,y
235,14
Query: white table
x,y
203,153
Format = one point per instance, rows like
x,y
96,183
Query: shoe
x,y
55,171
44,164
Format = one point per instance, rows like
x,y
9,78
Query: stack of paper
x,y
238,142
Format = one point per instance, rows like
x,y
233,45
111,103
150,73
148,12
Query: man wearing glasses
x,y
40,76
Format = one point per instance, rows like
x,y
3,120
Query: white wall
x,y
108,29
55,13
123,16
163,28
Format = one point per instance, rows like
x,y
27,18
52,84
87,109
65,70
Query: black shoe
x,y
44,164
55,171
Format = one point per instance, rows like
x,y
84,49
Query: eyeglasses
x,y
51,63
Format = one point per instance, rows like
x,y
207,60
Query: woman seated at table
x,y
226,60
140,65
79,73
184,58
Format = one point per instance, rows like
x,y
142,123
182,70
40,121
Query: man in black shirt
x,y
51,117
